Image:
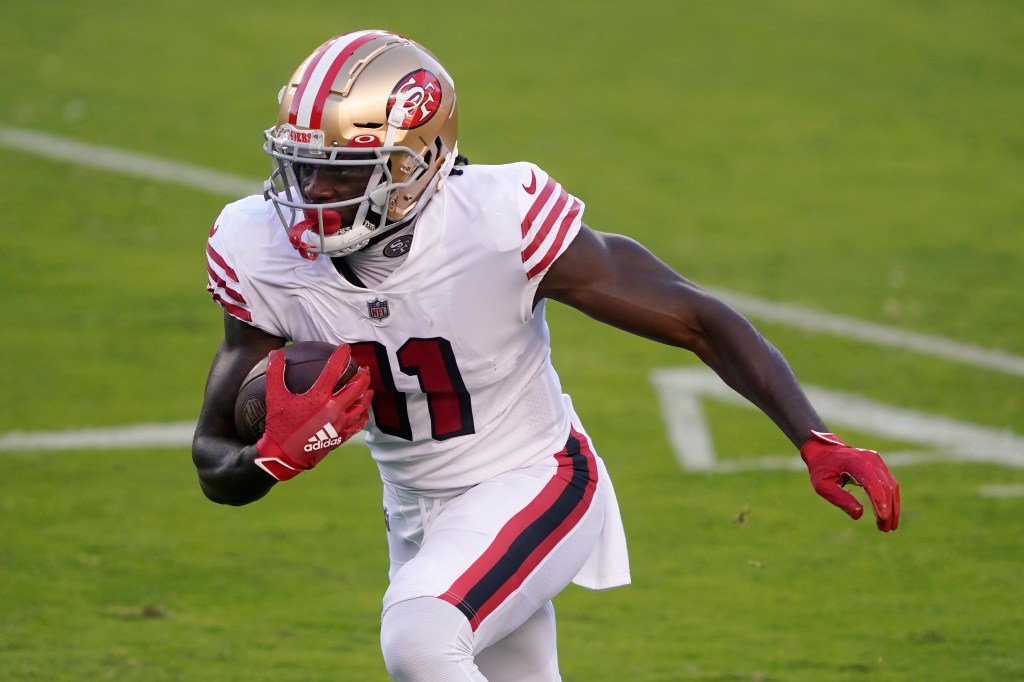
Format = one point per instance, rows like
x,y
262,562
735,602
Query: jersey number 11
x,y
432,362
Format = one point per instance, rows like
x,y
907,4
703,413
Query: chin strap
x,y
379,195
446,168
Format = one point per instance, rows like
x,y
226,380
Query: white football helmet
x,y
367,99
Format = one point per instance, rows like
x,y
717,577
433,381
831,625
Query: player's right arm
x,y
226,468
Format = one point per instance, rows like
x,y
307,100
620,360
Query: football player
x,y
374,234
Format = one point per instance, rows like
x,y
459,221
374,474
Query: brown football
x,y
304,361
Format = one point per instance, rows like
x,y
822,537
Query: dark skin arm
x,y
617,281
225,465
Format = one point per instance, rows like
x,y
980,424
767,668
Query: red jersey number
x,y
432,362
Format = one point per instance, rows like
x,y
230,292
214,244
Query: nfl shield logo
x,y
378,309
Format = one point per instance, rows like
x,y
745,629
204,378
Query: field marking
x,y
1001,491
129,163
871,332
167,435
196,177
681,390
132,437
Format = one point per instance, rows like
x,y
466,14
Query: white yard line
x,y
129,163
169,435
153,168
1003,491
135,436
871,332
936,438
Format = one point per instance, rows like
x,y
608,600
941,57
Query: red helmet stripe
x,y
307,105
300,91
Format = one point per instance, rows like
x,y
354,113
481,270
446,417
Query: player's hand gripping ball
x,y
304,362
303,423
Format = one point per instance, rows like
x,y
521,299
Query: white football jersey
x,y
463,383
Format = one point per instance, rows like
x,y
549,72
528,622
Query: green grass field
x,y
864,159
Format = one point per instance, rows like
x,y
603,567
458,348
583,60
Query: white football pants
x,y
473,574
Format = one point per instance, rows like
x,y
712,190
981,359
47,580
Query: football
x,y
304,361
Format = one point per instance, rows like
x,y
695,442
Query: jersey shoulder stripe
x,y
232,309
549,217
557,245
223,282
538,204
214,258
550,207
223,292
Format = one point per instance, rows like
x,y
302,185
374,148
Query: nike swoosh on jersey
x,y
533,184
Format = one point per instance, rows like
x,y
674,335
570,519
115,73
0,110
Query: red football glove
x,y
833,464
302,428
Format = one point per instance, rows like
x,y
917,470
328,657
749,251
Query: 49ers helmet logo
x,y
421,93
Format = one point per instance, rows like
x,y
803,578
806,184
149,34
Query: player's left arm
x,y
617,281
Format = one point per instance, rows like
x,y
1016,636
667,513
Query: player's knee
x,y
426,639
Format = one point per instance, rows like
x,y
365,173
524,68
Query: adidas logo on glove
x,y
326,437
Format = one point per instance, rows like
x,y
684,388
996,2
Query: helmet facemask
x,y
384,104
301,214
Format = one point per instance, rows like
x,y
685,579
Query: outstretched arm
x,y
617,281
